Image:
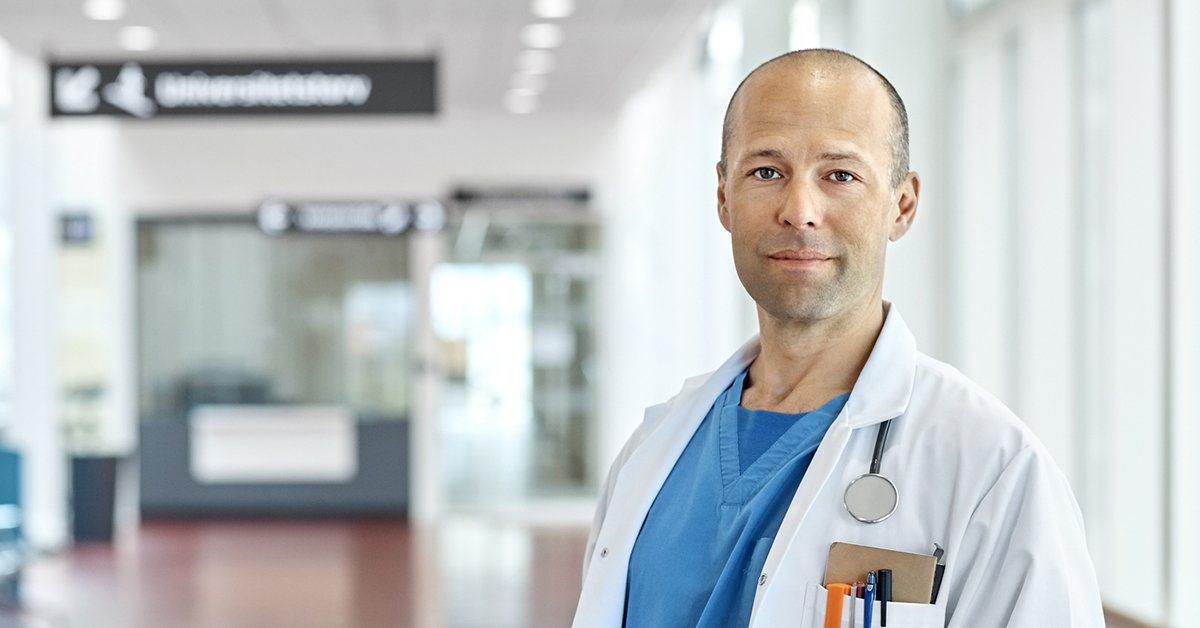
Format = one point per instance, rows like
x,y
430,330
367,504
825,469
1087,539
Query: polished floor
x,y
344,574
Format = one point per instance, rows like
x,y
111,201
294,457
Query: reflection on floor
x,y
224,574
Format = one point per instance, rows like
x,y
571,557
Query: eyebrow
x,y
767,152
835,156
775,153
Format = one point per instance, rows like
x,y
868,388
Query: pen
x,y
885,594
833,604
868,599
853,601
938,570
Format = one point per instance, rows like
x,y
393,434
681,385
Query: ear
x,y
905,208
722,208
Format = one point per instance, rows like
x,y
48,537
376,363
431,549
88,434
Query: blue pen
x,y
868,599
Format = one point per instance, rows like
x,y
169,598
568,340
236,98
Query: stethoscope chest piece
x,y
871,498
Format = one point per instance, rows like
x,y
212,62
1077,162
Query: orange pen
x,y
833,604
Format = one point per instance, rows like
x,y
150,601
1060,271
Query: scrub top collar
x,y
884,387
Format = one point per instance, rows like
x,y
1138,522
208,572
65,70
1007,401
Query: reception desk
x,y
273,460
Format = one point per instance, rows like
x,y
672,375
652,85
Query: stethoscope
x,y
871,498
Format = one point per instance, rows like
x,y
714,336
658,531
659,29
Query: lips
x,y
799,255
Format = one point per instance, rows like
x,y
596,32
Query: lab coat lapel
x,y
647,469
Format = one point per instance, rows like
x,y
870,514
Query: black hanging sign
x,y
392,218
151,90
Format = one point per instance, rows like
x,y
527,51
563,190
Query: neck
x,y
803,364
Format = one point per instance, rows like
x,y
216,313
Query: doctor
x,y
721,508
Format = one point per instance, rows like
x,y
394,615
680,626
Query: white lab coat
x,y
971,478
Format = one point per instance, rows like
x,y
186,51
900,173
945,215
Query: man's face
x,y
806,193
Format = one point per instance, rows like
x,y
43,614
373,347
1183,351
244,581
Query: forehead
x,y
809,102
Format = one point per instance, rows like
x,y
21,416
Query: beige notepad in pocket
x,y
912,574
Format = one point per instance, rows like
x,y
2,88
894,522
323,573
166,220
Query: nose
x,y
801,205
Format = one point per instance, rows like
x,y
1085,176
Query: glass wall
x,y
514,311
228,314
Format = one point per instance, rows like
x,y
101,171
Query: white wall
x,y
1133,552
35,428
1185,304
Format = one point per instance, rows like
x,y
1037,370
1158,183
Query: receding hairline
x,y
835,60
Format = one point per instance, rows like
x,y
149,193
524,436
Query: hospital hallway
x,y
321,573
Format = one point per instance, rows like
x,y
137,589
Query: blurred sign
x,y
387,218
522,195
76,228
150,90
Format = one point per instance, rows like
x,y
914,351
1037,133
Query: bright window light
x,y
805,27
137,38
553,9
542,35
104,10
535,61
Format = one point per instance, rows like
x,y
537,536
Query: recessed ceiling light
x,y
137,38
105,10
553,9
521,101
535,61
725,35
530,82
542,35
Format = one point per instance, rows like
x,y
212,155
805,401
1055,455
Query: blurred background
x,y
321,313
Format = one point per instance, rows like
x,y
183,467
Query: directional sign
x,y
391,218
151,90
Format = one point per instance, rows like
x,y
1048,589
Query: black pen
x,y
885,594
938,570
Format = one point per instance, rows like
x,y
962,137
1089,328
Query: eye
x,y
766,174
841,176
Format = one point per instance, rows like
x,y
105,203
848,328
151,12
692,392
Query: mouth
x,y
799,255
799,260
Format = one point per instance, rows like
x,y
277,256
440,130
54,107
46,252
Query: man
x,y
721,508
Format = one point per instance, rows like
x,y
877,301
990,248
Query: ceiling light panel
x,y
542,35
521,101
104,10
552,9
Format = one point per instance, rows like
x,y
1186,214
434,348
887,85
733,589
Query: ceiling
x,y
609,49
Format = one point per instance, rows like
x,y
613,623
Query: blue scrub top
x,y
706,537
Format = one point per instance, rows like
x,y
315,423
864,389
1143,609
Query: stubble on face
x,y
807,298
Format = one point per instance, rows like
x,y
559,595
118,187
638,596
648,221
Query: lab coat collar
x,y
884,387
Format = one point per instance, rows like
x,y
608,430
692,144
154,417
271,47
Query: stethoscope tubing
x,y
880,442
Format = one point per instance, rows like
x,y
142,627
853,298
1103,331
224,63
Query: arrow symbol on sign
x,y
75,90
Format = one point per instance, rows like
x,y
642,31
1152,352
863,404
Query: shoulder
x,y
948,409
656,414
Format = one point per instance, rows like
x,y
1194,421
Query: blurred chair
x,y
12,546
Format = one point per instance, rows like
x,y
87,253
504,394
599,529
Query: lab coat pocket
x,y
900,615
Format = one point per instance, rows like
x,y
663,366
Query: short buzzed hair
x,y
899,136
